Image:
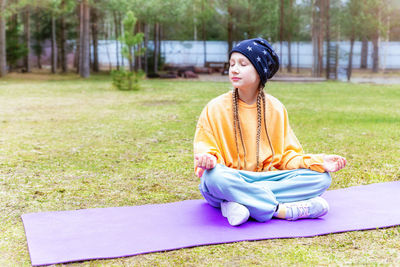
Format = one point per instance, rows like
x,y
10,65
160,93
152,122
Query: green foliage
x,y
15,49
129,39
123,79
366,18
126,80
41,31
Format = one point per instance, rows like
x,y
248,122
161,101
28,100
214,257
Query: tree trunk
x,y
364,53
3,57
27,34
146,42
116,25
58,50
289,36
350,65
321,38
85,42
328,40
39,54
156,46
314,38
130,59
194,22
121,31
106,36
317,38
53,45
160,38
387,39
375,44
375,54
63,42
95,39
77,59
203,34
298,57
281,29
140,57
136,48
230,27
298,42
289,44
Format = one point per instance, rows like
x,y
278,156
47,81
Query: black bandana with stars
x,y
261,55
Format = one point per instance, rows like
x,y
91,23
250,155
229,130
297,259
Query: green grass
x,y
68,143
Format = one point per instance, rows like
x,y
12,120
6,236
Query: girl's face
x,y
242,73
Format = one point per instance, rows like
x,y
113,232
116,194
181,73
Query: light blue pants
x,y
261,192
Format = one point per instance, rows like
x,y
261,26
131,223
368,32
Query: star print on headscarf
x,y
261,55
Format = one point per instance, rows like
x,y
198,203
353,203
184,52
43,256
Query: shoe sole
x,y
325,206
234,220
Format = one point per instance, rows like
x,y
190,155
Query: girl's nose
x,y
234,69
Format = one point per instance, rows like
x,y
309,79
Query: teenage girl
x,y
249,160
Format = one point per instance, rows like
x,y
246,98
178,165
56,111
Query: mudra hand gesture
x,y
205,162
334,163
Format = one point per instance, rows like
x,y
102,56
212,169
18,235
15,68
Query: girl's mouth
x,y
235,79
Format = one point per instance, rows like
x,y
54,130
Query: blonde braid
x,y
235,107
236,123
258,126
266,130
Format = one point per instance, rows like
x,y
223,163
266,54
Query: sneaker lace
x,y
303,211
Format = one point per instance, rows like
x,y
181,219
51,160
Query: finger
x,y
342,163
213,162
338,166
200,162
200,173
198,159
207,163
210,162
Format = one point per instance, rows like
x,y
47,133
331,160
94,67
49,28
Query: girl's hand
x,y
205,161
334,163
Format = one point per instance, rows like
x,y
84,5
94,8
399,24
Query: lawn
x,y
68,143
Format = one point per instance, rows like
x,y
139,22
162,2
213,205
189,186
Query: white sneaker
x,y
311,208
235,213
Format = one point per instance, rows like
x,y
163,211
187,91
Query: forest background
x,y
77,26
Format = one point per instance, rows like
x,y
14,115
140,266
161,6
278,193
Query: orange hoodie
x,y
215,135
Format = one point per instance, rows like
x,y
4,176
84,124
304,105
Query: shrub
x,y
126,80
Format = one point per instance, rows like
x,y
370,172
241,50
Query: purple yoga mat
x,y
67,236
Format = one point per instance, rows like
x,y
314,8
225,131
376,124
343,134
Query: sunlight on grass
x,y
68,143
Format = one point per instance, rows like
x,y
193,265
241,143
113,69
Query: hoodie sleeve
x,y
204,139
293,156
